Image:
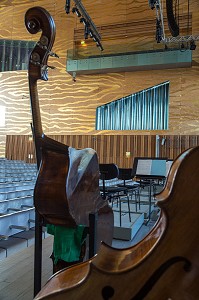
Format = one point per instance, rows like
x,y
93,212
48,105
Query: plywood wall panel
x,y
105,12
109,148
67,107
6,22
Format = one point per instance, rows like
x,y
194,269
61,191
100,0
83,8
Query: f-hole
x,y
107,292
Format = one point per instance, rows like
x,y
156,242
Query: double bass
x,y
67,186
162,266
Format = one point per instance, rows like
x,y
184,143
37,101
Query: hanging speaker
x,y
172,24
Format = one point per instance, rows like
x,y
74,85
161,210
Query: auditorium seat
x,y
17,212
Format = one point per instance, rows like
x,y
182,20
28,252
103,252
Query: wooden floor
x,y
17,272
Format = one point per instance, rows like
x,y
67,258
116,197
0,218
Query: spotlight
x,y
152,4
94,38
67,6
101,48
82,20
98,44
90,33
192,45
86,31
75,10
183,47
158,31
74,76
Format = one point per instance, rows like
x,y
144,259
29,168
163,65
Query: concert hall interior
x,y
99,146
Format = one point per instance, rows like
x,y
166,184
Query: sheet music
x,y
158,167
168,166
144,167
151,167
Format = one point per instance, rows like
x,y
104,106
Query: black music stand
x,y
150,168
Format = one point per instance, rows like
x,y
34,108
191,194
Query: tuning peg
x,y
51,67
53,54
36,63
46,67
44,47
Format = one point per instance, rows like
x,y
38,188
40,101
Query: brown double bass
x,y
67,185
163,266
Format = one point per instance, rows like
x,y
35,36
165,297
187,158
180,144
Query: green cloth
x,y
67,242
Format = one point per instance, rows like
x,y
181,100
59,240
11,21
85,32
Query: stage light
x,y
67,6
86,32
99,45
90,33
82,20
76,11
158,31
94,38
192,45
152,4
183,47
90,28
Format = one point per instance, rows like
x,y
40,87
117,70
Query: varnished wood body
x,y
50,190
164,265
67,185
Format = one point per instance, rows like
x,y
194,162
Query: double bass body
x,y
163,266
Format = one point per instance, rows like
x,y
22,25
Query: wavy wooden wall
x,y
67,107
110,148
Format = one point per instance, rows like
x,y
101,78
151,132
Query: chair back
x,y
125,174
108,171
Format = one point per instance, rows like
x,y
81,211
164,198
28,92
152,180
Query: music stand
x,y
149,168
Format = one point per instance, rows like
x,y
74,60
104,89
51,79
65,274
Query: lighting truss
x,y
180,39
156,4
89,27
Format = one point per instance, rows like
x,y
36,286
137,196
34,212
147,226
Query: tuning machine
x,y
46,67
53,54
43,44
50,67
35,58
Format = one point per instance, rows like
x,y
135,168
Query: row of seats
x,y
17,178
16,193
16,222
16,204
16,164
19,172
19,185
17,212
